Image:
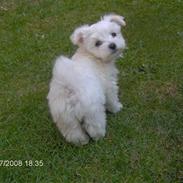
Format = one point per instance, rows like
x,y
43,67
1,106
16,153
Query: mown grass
x,y
143,142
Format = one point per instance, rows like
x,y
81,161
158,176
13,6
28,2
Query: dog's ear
x,y
79,35
115,18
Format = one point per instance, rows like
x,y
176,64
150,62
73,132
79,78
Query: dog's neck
x,y
83,53
103,69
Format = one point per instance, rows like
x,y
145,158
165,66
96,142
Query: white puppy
x,y
85,86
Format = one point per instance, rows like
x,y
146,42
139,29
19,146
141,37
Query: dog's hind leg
x,y
65,110
72,131
95,123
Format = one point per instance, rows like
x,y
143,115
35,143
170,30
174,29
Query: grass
x,y
143,142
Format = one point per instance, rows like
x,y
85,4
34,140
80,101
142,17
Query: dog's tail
x,y
62,87
63,67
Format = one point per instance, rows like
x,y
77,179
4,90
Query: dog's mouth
x,y
116,52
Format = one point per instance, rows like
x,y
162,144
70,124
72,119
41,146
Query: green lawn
x,y
143,142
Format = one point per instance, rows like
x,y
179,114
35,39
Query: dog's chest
x,y
107,74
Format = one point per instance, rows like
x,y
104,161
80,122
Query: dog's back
x,y
73,94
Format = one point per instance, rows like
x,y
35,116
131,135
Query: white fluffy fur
x,y
84,87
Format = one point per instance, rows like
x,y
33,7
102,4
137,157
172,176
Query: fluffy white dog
x,y
85,86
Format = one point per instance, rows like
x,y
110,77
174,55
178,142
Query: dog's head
x,y
102,39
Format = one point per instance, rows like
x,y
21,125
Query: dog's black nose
x,y
112,46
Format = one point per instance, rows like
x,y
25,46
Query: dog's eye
x,y
113,34
98,43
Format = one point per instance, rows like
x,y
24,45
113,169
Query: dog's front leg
x,y
112,101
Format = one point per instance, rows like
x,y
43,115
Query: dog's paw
x,y
95,132
77,138
115,108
